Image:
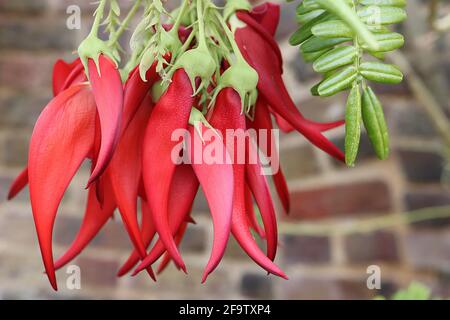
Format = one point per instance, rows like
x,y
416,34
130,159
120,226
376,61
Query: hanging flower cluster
x,y
196,69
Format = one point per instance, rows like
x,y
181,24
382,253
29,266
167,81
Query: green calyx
x,y
158,89
244,80
196,119
91,48
198,63
235,5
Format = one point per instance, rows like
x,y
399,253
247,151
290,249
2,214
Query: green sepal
x,y
235,5
198,63
91,48
196,118
244,80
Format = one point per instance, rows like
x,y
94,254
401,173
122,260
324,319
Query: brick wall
x,y
321,261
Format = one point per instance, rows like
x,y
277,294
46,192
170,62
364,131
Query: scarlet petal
x,y
61,72
171,113
267,15
108,93
61,140
147,233
262,121
217,184
135,92
18,184
125,172
95,217
260,189
166,258
252,219
227,115
183,189
284,125
263,35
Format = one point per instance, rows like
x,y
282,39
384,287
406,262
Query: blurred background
x,y
394,215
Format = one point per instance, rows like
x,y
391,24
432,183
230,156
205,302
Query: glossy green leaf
x,y
353,119
332,29
375,123
338,81
314,44
381,72
381,15
335,58
388,41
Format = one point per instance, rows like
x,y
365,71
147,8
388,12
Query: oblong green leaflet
x,y
388,41
374,15
338,81
314,44
353,118
332,29
378,55
344,11
384,3
305,18
310,4
304,32
335,58
312,56
381,72
375,123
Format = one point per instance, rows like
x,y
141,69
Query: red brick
x,y
194,240
429,249
113,236
368,248
340,200
26,71
23,6
36,34
306,249
98,272
299,162
256,286
22,108
14,149
325,288
422,166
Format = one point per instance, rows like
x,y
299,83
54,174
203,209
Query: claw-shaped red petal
x,y
62,138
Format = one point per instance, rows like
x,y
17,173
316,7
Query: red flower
x,y
127,132
64,136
